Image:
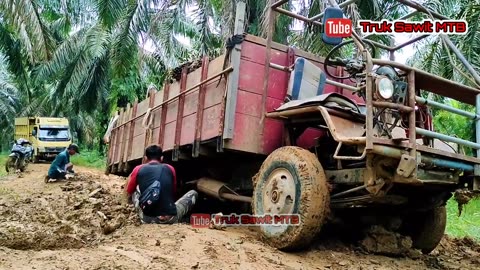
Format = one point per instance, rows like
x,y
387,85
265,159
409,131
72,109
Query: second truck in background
x,y
49,136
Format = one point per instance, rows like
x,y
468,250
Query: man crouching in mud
x,y
152,189
61,166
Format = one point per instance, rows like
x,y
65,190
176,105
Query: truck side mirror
x,y
34,132
331,13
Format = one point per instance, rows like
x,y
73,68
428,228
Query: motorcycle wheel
x,y
10,164
23,167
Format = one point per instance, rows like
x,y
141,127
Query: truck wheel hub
x,y
279,192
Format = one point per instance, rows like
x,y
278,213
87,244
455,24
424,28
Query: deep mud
x,y
86,224
79,215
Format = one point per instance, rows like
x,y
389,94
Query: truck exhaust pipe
x,y
219,190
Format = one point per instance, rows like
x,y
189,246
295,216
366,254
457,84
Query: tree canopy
x,y
83,59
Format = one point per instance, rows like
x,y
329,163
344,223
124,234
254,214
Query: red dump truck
x,y
295,133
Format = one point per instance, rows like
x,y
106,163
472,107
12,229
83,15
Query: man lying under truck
x,y
61,165
152,190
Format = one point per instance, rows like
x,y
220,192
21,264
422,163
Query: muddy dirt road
x,y
85,224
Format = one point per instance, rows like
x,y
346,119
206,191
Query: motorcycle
x,y
20,156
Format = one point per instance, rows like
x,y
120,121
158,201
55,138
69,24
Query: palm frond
x,y
133,24
24,16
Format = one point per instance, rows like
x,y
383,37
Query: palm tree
x,y
9,100
434,56
78,58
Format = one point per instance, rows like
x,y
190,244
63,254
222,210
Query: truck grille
x,y
54,149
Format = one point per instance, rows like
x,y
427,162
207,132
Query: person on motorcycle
x,y
61,166
22,151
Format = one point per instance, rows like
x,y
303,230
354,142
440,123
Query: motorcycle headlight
x,y
385,88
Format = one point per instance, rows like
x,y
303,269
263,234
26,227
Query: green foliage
x,y
3,160
434,56
467,223
89,158
84,59
455,125
9,99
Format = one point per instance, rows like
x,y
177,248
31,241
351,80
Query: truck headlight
x,y
385,88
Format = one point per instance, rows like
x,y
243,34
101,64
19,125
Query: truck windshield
x,y
53,134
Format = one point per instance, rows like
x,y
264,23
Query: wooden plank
x,y
119,136
187,136
200,108
214,91
116,149
244,139
155,132
284,48
231,102
169,140
172,107
181,103
148,132
158,111
131,130
111,146
124,132
211,124
138,150
161,134
256,53
142,108
191,98
252,73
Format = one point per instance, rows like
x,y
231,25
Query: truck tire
x,y
427,228
291,181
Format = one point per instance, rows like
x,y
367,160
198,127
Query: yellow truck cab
x,y
49,136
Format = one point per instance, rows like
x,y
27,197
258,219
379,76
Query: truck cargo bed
x,y
212,107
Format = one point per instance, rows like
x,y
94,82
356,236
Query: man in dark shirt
x,y
61,165
166,210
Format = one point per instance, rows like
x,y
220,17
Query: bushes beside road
x,y
3,159
466,225
89,158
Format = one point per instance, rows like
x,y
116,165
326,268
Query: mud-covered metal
x,y
279,192
219,190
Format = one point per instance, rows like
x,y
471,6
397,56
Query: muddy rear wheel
x,y
10,164
291,181
426,228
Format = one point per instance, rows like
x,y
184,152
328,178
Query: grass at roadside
x,y
468,224
3,159
92,159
